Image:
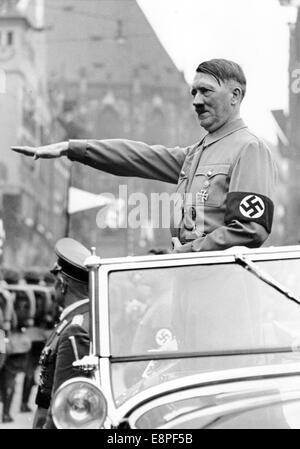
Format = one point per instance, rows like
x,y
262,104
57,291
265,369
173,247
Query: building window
x,y
6,38
10,38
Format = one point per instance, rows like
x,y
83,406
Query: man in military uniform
x,y
17,341
225,182
70,338
31,276
6,317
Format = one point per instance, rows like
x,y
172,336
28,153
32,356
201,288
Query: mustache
x,y
200,110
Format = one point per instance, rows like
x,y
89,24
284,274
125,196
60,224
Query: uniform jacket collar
x,y
71,307
225,130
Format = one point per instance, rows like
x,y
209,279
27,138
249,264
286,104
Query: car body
x,y
184,341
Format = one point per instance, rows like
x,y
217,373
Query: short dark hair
x,y
224,70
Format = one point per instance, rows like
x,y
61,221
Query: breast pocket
x,y
211,184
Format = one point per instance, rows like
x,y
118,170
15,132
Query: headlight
x,y
79,404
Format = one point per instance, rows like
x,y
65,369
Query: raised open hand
x,y
28,151
45,152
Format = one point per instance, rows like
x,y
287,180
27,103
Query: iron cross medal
x,y
202,195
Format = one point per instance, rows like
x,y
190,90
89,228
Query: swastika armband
x,y
247,206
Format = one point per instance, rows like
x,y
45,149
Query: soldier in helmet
x,y
70,338
11,275
32,276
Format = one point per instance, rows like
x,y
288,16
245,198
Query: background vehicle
x,y
214,342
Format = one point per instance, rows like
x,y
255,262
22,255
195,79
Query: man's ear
x,y
63,285
236,95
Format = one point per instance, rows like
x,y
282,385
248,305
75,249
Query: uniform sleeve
x,y
65,357
249,204
123,157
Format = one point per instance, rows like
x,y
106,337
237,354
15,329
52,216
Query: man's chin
x,y
210,125
205,123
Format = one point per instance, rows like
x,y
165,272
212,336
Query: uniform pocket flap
x,y
213,170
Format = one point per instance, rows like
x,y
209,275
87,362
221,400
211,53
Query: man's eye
x,y
193,92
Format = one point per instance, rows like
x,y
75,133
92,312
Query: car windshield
x,y
210,317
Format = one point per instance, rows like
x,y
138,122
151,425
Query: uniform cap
x,y
32,276
11,275
71,256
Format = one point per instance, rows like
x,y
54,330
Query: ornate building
x,y
33,195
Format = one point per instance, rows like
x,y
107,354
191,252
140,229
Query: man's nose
x,y
198,99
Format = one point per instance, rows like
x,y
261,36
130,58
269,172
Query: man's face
x,y
58,285
212,102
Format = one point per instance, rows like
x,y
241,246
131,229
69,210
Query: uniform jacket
x,y
225,184
58,356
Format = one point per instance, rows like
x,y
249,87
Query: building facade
x,y
33,194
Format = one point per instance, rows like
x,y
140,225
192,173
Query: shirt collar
x,y
225,130
71,307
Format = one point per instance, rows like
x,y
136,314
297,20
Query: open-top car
x,y
208,340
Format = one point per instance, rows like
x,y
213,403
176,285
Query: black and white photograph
x,y
149,217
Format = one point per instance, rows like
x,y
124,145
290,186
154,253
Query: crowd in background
x,y
28,312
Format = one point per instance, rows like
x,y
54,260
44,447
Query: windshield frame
x,y
101,346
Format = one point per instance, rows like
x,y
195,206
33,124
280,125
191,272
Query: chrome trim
x,y
103,314
233,407
164,262
175,355
92,295
87,363
212,390
106,386
92,263
258,254
203,380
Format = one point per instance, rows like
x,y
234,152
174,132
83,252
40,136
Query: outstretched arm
x,y
119,157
